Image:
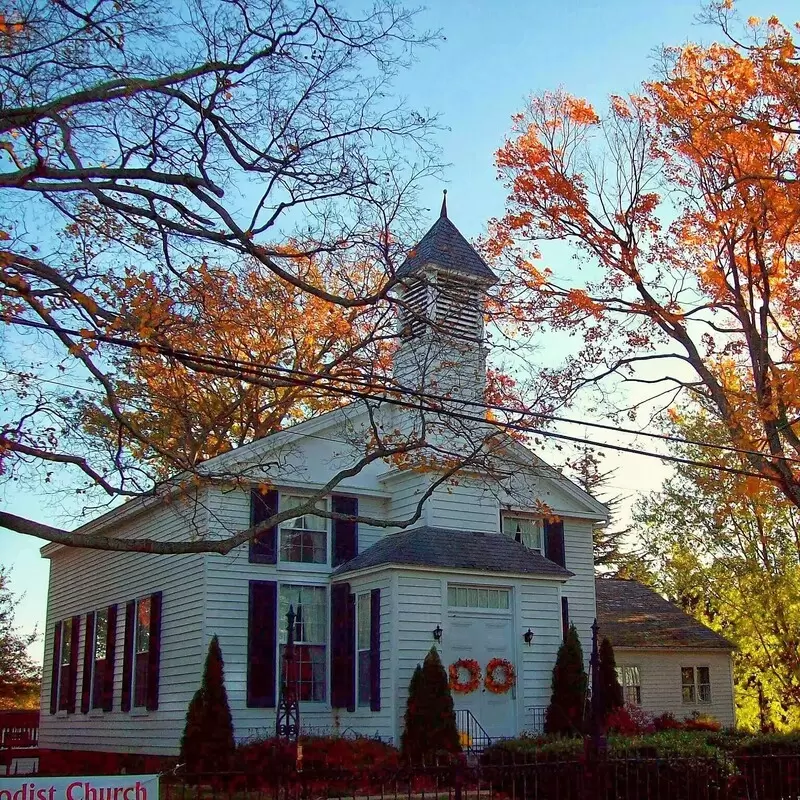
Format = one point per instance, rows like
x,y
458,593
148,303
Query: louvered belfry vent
x,y
415,307
458,308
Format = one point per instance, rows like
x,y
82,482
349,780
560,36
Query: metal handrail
x,y
474,738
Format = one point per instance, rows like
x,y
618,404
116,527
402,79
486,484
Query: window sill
x,y
301,566
139,712
62,713
96,712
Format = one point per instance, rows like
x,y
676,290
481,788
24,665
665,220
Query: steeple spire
x,y
443,212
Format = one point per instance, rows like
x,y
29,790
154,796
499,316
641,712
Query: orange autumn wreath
x,y
491,682
473,669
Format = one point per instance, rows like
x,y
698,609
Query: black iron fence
x,y
758,777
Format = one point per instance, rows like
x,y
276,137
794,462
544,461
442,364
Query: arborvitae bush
x,y
208,744
610,690
565,714
430,720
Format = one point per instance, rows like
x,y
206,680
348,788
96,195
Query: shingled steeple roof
x,y
445,247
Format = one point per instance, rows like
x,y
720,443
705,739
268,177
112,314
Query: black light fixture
x,y
528,637
437,633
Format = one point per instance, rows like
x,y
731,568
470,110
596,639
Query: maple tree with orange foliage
x,y
180,413
681,205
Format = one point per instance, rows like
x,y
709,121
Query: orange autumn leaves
x,y
249,325
682,209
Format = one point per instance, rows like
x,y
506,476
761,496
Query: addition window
x,y
303,539
525,530
99,656
142,651
310,605
631,682
65,666
696,684
478,597
363,652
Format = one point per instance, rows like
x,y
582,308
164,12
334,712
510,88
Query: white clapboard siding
x,y
579,589
363,721
408,488
87,580
466,506
539,610
660,672
419,611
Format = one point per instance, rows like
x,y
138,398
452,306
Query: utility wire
x,y
313,380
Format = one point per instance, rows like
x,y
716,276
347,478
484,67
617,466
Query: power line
x,y
312,380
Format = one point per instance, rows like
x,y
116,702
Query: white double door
x,y
483,637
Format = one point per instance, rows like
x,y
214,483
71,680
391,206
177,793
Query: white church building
x,y
496,565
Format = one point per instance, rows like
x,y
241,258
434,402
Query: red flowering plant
x,y
328,762
667,722
630,720
702,722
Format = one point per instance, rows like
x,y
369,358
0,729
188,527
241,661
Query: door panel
x,y
483,637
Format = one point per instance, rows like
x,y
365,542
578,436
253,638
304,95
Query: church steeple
x,y
442,291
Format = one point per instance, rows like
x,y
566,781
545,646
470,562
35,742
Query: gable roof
x,y
444,246
633,615
454,549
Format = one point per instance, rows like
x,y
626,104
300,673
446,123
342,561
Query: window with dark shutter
x,y
64,660
345,532
65,672
72,692
127,654
154,652
107,703
141,652
310,604
554,542
99,652
364,647
55,671
375,651
343,678
88,657
262,644
264,547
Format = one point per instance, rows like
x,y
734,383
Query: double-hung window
x,y
303,539
141,651
99,655
526,530
630,680
310,604
363,651
696,684
65,667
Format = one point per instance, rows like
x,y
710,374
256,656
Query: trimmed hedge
x,y
668,765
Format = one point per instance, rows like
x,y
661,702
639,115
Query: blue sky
x,y
496,53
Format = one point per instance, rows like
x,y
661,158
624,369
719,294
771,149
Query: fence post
x,y
459,778
595,743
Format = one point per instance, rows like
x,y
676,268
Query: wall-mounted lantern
x,y
437,634
528,637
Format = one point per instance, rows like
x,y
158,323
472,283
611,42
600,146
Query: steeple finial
x,y
443,212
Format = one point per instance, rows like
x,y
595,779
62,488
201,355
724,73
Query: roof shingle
x,y
444,246
454,549
633,615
